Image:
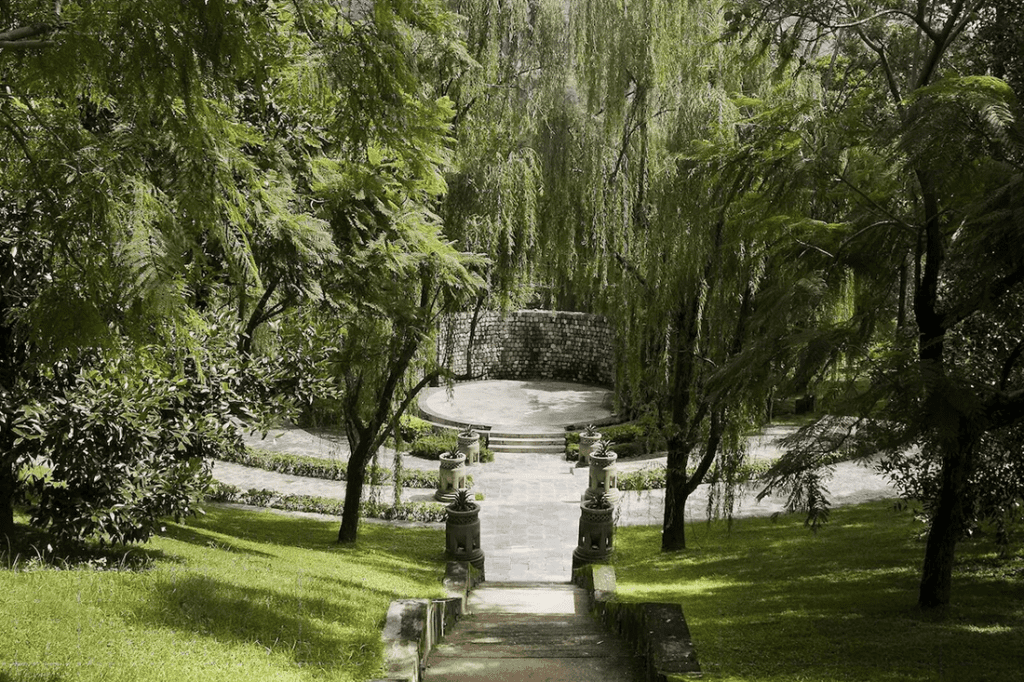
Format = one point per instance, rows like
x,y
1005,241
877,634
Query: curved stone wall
x,y
532,344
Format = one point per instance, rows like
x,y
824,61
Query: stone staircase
x,y
552,442
531,631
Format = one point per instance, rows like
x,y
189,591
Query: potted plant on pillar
x,y
469,445
588,439
596,531
603,476
451,476
462,531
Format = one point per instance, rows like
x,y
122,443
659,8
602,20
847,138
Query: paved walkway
x,y
530,512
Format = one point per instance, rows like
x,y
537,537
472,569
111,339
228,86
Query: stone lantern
x,y
452,476
596,532
462,531
469,445
604,474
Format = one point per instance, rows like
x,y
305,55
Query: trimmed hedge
x,y
434,445
628,440
654,478
315,467
432,512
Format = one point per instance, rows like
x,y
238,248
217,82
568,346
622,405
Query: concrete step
x,y
542,449
520,440
524,434
542,631
513,443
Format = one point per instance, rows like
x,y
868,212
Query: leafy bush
x,y
486,455
624,433
434,445
572,452
119,443
644,479
413,428
627,450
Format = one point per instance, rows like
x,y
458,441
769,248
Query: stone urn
x,y
588,439
462,531
596,533
469,445
604,474
452,476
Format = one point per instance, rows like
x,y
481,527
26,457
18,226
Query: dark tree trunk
x,y
947,523
673,529
679,487
353,493
8,486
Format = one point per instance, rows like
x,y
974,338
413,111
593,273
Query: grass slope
x,y
234,595
771,601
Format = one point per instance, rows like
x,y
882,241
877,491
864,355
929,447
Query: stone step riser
x,y
548,435
541,449
526,441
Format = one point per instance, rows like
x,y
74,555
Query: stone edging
x,y
414,626
656,631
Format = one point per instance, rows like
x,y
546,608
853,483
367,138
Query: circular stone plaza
x,y
521,407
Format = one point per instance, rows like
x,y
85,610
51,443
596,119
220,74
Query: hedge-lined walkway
x,y
530,511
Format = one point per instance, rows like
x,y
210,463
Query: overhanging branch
x,y
23,38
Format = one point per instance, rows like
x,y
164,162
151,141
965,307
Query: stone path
x,y
530,512
519,632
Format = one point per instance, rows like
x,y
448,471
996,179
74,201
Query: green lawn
x,y
234,595
771,601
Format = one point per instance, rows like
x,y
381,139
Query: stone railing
x,y
414,626
657,632
530,344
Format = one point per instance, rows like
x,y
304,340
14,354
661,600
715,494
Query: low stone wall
x,y
414,626
531,344
657,632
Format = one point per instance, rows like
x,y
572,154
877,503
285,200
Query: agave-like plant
x,y
600,448
591,431
600,501
467,432
462,502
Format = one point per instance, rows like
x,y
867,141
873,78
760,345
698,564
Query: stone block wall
x,y
532,344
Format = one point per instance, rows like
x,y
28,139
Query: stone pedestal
x,y
596,535
587,443
604,477
452,476
469,445
462,537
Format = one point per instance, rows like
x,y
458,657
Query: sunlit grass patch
x,y
772,601
232,595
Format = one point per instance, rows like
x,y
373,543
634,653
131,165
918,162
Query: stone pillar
x,y
452,476
604,476
587,443
469,445
462,536
596,534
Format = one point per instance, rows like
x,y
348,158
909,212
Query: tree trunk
x,y
947,523
673,529
354,492
8,486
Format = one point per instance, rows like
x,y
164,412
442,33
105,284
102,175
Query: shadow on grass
x,y
773,601
307,630
30,547
303,532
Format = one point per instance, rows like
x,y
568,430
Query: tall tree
x,y
925,155
118,182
